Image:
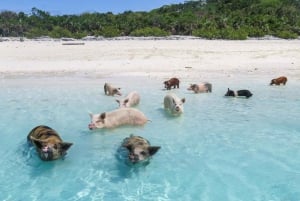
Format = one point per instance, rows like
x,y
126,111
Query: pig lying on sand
x,y
110,90
116,118
132,99
174,104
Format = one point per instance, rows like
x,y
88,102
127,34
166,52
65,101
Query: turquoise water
x,y
220,149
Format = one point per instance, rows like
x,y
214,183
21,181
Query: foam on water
x,y
219,149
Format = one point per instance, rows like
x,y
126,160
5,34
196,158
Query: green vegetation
x,y
212,19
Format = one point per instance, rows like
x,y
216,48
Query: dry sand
x,y
188,58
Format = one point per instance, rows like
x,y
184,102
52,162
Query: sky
x,y
61,7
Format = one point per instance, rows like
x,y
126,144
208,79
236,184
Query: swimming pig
x,y
200,88
173,82
132,99
279,80
48,143
139,149
174,104
240,93
116,118
111,91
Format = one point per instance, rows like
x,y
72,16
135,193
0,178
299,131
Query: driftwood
x,y
73,43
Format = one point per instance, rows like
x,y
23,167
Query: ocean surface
x,y
220,149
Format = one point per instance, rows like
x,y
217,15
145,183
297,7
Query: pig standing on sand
x,y
204,87
173,82
174,104
116,118
132,99
110,90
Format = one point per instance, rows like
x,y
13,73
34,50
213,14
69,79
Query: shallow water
x,y
219,149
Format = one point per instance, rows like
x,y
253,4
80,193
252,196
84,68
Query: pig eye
x,y
55,146
143,153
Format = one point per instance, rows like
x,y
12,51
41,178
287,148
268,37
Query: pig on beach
x,y
174,104
111,91
204,87
279,80
132,99
173,82
116,118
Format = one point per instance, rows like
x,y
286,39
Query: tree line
x,y
211,19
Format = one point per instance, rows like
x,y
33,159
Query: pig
x,y
174,104
116,118
132,99
48,143
139,149
173,82
203,87
279,80
111,91
240,93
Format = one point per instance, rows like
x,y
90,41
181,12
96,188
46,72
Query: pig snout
x,y
133,158
92,126
178,108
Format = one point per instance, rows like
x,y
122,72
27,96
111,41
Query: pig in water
x,y
132,99
110,90
116,118
174,104
239,93
204,87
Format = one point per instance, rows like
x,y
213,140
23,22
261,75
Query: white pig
x,y
132,99
116,118
203,87
174,104
110,90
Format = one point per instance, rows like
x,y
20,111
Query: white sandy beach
x,y
154,58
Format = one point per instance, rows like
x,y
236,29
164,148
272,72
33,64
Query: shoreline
x,y
186,58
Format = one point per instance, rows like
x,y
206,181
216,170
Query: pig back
x,y
125,116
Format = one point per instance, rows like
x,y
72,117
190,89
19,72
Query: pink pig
x,y
116,118
132,99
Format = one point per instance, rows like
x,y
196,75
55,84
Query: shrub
x,y
286,34
149,31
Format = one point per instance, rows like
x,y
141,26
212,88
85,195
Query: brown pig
x,y
173,82
279,80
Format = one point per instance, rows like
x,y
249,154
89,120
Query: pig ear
x,y
37,143
66,145
102,116
128,146
183,100
173,100
153,150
